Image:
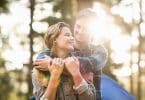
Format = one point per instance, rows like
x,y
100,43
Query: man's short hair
x,y
87,12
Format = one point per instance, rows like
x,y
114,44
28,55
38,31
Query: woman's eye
x,y
67,34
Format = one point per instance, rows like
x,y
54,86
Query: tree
x,y
3,5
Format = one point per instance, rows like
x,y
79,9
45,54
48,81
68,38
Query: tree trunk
x,y
32,3
84,4
139,53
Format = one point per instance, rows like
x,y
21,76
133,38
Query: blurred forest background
x,y
23,24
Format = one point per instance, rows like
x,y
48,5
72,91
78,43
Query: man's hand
x,y
43,64
72,65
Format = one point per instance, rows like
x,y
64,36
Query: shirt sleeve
x,y
42,54
86,91
38,91
96,61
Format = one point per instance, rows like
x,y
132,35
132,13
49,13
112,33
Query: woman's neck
x,y
62,53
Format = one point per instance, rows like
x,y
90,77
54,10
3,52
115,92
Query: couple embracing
x,y
71,67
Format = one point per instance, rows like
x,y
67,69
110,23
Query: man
x,y
97,57
92,58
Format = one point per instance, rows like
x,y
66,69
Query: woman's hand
x,y
56,67
55,70
72,65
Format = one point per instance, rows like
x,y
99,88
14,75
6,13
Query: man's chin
x,y
70,49
79,41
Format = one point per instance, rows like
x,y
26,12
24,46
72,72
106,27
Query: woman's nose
x,y
72,38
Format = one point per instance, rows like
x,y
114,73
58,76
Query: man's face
x,y
81,31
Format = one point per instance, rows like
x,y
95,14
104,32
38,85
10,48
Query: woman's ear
x,y
53,49
54,43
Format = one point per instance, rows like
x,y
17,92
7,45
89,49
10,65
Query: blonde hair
x,y
52,34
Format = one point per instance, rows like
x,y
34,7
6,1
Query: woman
x,y
64,83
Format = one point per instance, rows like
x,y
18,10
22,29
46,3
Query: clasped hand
x,y
56,65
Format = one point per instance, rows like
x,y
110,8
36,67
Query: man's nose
x,y
80,30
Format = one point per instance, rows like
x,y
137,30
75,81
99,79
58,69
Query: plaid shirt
x,y
64,91
92,59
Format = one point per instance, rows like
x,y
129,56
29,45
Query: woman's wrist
x,y
55,74
77,78
75,73
54,79
51,88
83,86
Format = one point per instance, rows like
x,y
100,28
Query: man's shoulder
x,y
99,46
43,53
99,49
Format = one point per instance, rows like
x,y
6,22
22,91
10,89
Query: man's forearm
x,y
95,61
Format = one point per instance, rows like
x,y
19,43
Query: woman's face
x,y
65,40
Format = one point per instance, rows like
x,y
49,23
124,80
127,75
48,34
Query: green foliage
x,y
5,84
3,5
110,2
64,7
2,62
52,20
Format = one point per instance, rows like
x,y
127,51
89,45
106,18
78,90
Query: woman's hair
x,y
52,34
